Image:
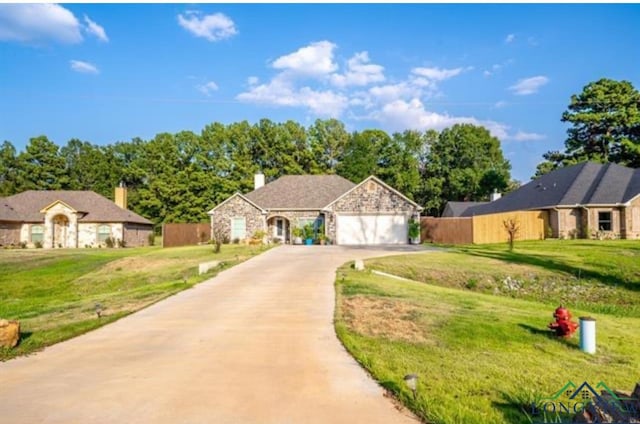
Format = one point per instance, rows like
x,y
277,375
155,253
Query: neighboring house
x,y
578,201
367,213
457,209
70,219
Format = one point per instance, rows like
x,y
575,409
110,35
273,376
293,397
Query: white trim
x,y
383,184
237,194
52,204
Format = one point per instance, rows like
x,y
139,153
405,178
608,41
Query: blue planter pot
x,y
308,242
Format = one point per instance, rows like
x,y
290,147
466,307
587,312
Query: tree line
x,y
179,177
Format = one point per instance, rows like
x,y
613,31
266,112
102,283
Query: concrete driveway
x,y
255,344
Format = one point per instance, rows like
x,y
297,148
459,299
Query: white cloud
x,y
213,27
438,74
95,29
207,88
83,67
400,115
38,22
309,78
281,91
486,73
314,59
528,86
360,71
525,136
510,38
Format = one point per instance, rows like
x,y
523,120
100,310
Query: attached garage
x,y
371,229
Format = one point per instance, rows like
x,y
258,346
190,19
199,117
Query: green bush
x,y
308,231
151,239
109,242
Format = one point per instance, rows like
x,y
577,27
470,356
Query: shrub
x,y
38,244
23,245
121,243
414,229
297,232
109,242
151,238
308,231
236,240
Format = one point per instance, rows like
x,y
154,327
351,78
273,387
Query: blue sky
x,y
111,72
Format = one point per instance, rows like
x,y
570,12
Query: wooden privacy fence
x,y
447,230
185,234
484,228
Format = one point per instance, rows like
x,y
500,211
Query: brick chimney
x,y
258,181
121,196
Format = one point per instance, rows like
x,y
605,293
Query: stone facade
x,y
371,197
237,207
9,234
60,226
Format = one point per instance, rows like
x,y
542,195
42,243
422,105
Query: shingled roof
x,y
300,192
453,209
26,207
584,184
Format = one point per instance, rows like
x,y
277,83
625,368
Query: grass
x,y
597,276
54,293
484,356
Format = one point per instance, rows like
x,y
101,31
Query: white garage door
x,y
371,229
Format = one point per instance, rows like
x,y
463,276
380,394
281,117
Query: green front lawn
x,y
599,276
482,351
53,293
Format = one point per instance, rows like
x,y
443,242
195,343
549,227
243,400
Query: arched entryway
x,y
60,231
279,228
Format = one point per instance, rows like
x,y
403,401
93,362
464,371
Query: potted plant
x,y
297,234
414,231
321,235
308,234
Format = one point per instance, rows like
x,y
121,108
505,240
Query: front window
x,y
604,221
238,228
104,232
37,233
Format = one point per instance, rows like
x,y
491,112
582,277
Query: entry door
x,y
279,228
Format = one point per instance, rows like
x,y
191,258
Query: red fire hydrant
x,y
563,326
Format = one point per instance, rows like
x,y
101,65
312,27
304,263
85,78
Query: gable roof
x,y
382,183
237,194
27,206
586,183
300,192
